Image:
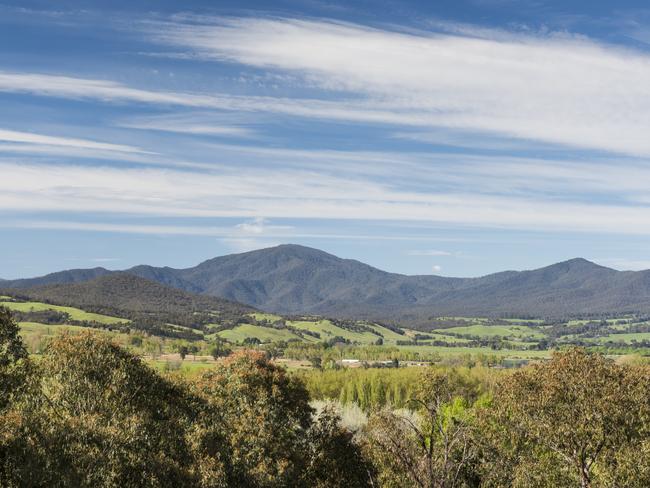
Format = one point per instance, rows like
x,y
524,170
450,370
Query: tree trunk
x,y
585,478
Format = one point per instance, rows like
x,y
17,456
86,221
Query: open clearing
x,y
74,313
264,334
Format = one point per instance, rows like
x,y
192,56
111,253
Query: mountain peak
x,y
579,263
295,249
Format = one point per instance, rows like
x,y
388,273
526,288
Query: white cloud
x,y
30,138
557,89
112,92
429,252
189,123
257,226
245,244
436,268
94,260
292,194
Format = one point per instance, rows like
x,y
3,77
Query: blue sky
x,y
452,137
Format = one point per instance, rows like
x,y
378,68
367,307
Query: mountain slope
x,y
295,279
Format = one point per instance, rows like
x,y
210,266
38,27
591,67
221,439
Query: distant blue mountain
x,y
296,279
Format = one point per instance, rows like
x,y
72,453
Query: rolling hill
x,y
124,291
144,304
291,279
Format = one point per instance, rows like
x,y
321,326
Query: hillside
x,y
127,292
292,279
146,304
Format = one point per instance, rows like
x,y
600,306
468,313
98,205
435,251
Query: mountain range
x,y
292,279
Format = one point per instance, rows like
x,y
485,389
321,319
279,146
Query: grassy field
x,y
265,316
325,328
50,330
328,330
497,330
390,337
626,338
264,334
434,336
36,336
74,313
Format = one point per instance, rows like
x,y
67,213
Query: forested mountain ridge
x,y
296,279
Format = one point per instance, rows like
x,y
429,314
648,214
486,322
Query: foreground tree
x,y
429,446
580,420
271,435
18,457
109,419
13,356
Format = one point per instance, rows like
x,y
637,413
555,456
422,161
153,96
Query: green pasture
x,y
74,313
497,330
328,330
265,316
264,334
626,338
435,336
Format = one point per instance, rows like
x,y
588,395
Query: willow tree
x,y
430,445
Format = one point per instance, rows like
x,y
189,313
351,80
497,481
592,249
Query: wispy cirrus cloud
x,y
294,194
552,88
429,252
13,136
199,123
75,88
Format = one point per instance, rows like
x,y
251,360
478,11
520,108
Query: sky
x,y
456,137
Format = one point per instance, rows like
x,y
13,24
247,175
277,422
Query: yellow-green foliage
x,y
377,387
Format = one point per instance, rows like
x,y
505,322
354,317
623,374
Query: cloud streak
x,y
556,89
30,138
294,194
